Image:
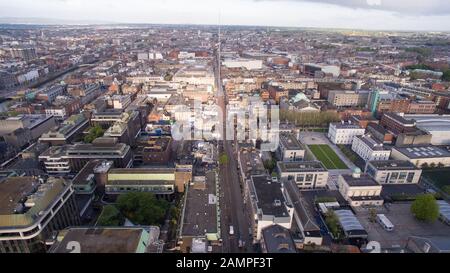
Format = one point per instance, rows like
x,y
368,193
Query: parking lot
x,y
405,225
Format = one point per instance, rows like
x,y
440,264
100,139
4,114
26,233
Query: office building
x,y
360,189
422,155
305,174
32,211
290,149
344,133
347,98
368,148
393,172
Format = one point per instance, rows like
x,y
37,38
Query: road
x,y
232,205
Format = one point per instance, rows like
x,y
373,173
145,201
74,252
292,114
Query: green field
x,y
327,156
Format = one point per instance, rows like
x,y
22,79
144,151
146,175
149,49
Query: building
x,y
36,124
160,181
120,101
108,240
350,224
49,95
305,174
243,63
268,205
32,211
200,217
68,131
428,244
422,155
397,123
316,70
380,133
277,239
393,172
72,158
369,148
153,150
348,98
344,133
360,189
438,126
305,215
290,149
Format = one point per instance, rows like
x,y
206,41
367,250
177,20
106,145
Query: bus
x,y
384,222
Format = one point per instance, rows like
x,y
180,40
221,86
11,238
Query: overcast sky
x,y
360,14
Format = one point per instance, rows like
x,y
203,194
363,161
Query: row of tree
x,y
309,118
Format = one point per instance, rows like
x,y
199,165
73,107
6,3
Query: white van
x,y
385,222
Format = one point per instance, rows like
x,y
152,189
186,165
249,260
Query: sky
x,y
418,15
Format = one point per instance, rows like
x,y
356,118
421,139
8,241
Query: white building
x,y
269,205
343,133
422,155
305,174
121,102
290,149
59,113
249,64
360,189
393,172
369,148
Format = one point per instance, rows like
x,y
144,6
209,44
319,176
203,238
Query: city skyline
x,y
349,14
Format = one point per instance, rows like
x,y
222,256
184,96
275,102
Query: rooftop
x,y
363,180
302,166
392,165
427,151
277,239
290,142
102,240
200,216
269,197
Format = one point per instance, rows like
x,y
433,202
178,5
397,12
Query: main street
x,y
232,205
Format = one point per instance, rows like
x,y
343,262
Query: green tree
x,y
270,164
223,159
446,75
425,208
94,132
372,215
143,208
110,216
446,189
333,225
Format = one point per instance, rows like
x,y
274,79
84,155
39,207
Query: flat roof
x,y
101,240
392,165
373,143
427,151
200,212
269,197
290,142
87,173
363,180
251,163
301,166
13,190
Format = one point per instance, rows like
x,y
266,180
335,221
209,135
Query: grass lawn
x,y
439,177
327,156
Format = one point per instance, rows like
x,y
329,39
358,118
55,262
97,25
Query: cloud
x,y
406,7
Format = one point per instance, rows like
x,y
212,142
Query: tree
x,y
94,132
143,208
270,164
332,222
425,208
110,216
446,189
372,215
223,159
